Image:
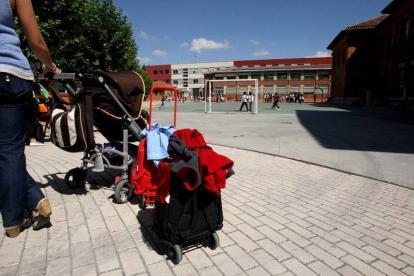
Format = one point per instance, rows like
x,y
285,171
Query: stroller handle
x,y
61,76
71,76
164,88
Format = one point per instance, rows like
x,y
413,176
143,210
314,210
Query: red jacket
x,y
213,167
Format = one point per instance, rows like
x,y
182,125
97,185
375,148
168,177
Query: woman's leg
x,y
34,194
13,176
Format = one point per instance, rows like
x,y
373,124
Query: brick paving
x,y
282,217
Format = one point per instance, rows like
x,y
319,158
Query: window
x,y
309,90
185,85
167,71
295,76
194,71
231,77
256,76
407,29
281,76
195,81
268,89
400,74
205,70
243,77
323,76
268,76
309,76
219,90
155,72
175,72
295,89
161,71
281,89
167,81
219,78
175,81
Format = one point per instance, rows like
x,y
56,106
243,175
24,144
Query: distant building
x,y
160,73
310,76
373,61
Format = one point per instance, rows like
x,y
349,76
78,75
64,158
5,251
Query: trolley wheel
x,y
214,241
142,204
75,177
123,191
175,254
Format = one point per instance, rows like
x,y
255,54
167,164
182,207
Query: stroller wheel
x,y
123,191
142,204
75,177
175,254
214,241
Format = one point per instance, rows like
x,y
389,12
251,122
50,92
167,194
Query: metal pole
x,y
257,96
205,96
209,100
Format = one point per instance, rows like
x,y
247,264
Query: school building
x,y
373,61
308,76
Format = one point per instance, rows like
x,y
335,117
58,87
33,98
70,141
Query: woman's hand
x,y
47,70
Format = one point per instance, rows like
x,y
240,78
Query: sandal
x,y
15,231
41,214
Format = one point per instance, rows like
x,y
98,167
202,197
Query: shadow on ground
x,y
360,130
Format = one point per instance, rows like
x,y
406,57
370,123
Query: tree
x,y
85,36
147,79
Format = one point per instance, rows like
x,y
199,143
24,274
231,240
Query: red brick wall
x,y
159,77
396,50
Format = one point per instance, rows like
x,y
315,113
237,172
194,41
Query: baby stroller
x,y
117,101
185,189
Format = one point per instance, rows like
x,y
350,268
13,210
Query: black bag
x,y
72,130
187,214
39,134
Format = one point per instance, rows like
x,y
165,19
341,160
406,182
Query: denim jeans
x,y
18,190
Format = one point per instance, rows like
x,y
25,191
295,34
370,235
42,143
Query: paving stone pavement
x,y
282,217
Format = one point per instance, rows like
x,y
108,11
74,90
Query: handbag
x,y
72,131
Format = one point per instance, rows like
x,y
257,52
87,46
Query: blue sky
x,y
184,31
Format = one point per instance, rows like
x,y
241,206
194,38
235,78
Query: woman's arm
x,y
27,19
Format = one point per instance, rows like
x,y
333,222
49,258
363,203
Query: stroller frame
x,y
76,177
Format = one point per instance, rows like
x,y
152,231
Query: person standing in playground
x,y
162,103
276,101
244,101
251,100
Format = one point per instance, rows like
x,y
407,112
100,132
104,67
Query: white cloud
x,y
159,53
146,36
254,42
143,60
199,44
261,53
184,44
320,54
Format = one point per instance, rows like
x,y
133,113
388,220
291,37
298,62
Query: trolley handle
x,y
164,88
